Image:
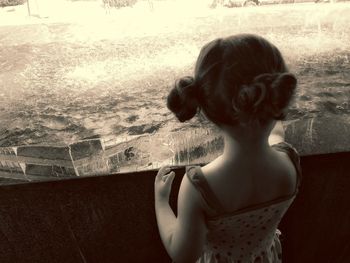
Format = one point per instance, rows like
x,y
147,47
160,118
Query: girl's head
x,y
237,80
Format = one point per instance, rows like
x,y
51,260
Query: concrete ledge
x,y
111,218
96,156
320,135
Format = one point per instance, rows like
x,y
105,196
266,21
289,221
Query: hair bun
x,y
266,97
282,90
182,99
251,97
286,80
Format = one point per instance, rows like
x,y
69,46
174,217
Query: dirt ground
x,y
64,78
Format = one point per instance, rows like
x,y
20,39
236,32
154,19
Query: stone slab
x,y
44,152
86,149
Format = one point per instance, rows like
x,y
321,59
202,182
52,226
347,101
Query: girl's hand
x,y
162,183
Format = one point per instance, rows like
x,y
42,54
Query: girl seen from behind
x,y
229,210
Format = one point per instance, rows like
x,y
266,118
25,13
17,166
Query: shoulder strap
x,y
293,156
196,177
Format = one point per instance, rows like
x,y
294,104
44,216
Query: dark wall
x,y
317,225
111,218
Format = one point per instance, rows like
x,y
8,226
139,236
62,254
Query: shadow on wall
x,y
111,218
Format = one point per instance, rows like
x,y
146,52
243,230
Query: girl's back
x,y
249,180
243,210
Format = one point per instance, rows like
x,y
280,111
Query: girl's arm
x,y
183,236
277,134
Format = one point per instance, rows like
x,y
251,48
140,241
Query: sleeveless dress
x,y
249,234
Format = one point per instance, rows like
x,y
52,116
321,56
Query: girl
x,y
229,210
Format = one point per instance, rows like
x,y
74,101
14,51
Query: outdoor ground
x,y
75,70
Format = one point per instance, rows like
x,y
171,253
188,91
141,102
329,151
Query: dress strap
x,y
293,156
196,177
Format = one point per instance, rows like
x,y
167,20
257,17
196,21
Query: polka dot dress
x,y
250,236
247,235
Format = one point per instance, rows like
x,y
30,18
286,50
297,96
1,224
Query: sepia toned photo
x,y
206,131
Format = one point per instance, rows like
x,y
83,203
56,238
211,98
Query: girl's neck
x,y
249,142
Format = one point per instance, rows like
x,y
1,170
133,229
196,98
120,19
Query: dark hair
x,y
238,79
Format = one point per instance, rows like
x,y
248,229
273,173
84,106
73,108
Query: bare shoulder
x,y
260,180
287,173
189,193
